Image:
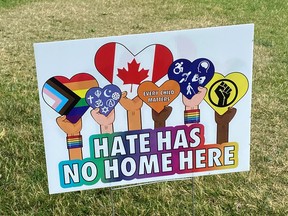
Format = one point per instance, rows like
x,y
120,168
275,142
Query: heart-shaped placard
x,y
158,97
127,70
67,96
191,75
225,91
105,99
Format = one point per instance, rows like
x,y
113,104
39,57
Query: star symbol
x,y
105,109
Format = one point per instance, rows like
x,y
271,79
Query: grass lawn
x,y
23,180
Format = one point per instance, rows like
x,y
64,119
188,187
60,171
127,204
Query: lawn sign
x,y
145,108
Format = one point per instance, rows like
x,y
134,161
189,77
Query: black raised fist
x,y
223,92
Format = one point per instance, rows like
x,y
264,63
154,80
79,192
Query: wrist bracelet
x,y
192,116
74,141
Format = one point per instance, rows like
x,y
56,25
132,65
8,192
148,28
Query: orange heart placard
x,y
158,97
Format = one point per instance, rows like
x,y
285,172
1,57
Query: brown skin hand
x,y
160,118
223,124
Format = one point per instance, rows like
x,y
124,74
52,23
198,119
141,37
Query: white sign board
x,y
143,108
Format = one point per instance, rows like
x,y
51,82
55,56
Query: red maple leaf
x,y
133,75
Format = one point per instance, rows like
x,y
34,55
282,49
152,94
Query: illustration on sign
x,y
191,75
144,111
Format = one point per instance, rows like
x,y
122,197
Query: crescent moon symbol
x,y
105,94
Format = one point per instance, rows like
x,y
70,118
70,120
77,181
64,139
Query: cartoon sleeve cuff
x,y
74,141
192,116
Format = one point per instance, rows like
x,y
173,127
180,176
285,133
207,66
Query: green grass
x,y
23,181
14,3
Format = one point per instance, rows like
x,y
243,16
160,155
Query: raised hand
x,y
130,104
133,107
102,119
194,102
74,138
68,127
105,122
223,124
226,117
160,118
192,112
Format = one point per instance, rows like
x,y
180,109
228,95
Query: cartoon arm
x,y
223,93
106,123
192,111
74,138
160,118
223,124
133,107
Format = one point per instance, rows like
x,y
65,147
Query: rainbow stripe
x,y
192,116
59,97
79,85
74,142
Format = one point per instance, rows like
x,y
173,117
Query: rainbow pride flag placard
x,y
67,96
145,108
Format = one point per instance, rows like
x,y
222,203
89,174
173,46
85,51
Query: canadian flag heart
x,y
67,96
105,99
127,70
191,75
